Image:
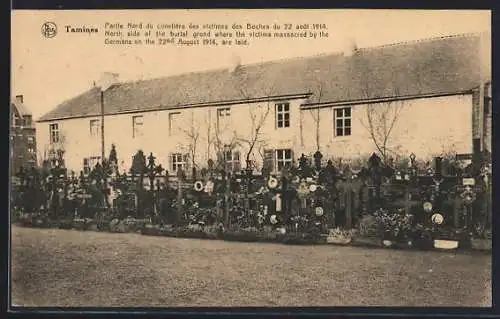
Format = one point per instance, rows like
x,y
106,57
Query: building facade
x,y
22,136
425,97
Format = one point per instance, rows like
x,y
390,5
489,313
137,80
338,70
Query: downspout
x,y
102,126
481,92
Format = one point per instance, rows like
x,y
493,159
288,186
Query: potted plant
x,y
395,227
339,236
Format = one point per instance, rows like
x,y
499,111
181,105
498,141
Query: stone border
x,y
140,226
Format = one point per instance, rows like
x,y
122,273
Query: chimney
x,y
349,47
107,80
20,99
235,63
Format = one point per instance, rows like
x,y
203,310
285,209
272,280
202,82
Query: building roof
x,y
21,108
441,65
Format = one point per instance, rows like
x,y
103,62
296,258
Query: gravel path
x,y
71,268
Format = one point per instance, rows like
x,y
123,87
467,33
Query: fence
x,y
299,198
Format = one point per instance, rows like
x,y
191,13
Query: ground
x,y
71,268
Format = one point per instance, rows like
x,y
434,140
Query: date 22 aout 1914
x,y
305,26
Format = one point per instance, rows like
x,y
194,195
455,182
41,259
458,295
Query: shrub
x,y
368,226
394,225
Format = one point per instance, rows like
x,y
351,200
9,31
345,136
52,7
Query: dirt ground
x,y
71,268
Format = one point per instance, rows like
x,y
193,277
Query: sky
x,y
49,71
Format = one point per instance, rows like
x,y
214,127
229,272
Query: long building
x,y
425,97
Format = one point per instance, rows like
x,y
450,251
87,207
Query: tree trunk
x,y
226,201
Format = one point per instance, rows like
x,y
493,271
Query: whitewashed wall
x,y
158,138
426,127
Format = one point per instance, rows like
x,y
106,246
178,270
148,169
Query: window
x,y
31,139
18,121
94,128
54,162
54,133
89,163
283,158
31,150
178,161
342,121
136,126
86,167
223,117
27,120
282,115
487,99
232,161
173,123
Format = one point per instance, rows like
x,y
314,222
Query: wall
x,y
22,142
22,148
156,137
426,127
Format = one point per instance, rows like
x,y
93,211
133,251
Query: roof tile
x,y
432,66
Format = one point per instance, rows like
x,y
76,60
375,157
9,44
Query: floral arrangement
x,y
394,224
340,233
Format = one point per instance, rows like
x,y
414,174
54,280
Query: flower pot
x,y
445,244
338,240
387,243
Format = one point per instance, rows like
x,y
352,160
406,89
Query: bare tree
x,y
257,119
315,113
193,135
218,139
258,114
381,118
210,134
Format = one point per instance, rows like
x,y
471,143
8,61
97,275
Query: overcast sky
x,y
49,71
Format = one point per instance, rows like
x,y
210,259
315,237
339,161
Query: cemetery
x,y
414,205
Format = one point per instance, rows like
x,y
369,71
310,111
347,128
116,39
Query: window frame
x,y
176,164
223,115
54,133
97,129
282,111
27,120
234,162
283,160
136,131
343,118
171,118
91,162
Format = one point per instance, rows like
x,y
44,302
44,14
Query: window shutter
x,y
268,162
292,156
